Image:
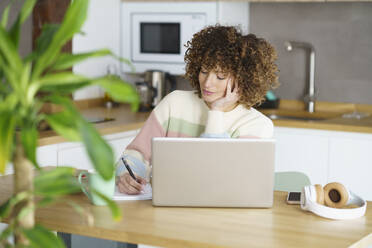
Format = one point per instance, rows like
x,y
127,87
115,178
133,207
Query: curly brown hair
x,y
248,59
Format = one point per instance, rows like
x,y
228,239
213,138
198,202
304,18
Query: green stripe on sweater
x,y
184,127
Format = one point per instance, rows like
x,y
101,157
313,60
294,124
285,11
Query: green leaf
x,y
29,138
4,19
7,127
43,41
10,102
25,75
24,211
74,19
119,90
64,89
100,153
9,52
57,182
67,60
71,24
115,210
63,101
62,78
64,124
4,89
47,174
60,186
15,30
46,37
11,79
61,83
39,236
7,207
26,10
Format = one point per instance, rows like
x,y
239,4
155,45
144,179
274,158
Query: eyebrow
x,y
217,72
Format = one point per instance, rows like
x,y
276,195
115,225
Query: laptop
x,y
213,172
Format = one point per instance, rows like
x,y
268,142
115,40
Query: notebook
x,y
146,195
205,172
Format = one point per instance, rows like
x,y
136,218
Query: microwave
x,y
160,37
154,34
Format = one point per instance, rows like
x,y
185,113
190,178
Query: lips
x,y
207,93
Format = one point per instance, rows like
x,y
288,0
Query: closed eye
x,y
220,78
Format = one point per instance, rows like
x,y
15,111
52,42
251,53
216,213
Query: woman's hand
x,y
126,184
229,101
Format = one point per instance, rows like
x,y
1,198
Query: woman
x,y
230,73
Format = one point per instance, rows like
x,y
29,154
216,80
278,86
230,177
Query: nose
x,y
208,82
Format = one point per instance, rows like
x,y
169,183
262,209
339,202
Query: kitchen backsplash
x,y
342,36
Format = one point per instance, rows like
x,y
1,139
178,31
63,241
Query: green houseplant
x,y
22,80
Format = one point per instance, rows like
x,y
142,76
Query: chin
x,y
208,99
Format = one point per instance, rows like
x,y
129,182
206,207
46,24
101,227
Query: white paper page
x,y
146,195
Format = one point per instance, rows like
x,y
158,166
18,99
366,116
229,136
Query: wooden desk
x,y
281,226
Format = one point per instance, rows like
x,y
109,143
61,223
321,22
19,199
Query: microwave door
x,y
161,37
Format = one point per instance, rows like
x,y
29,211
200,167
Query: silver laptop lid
x,y
205,172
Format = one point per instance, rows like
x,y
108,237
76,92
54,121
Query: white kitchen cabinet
x,y
45,155
327,156
350,162
303,150
73,153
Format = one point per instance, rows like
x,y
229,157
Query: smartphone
x,y
294,198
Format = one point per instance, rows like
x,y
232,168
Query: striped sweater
x,y
184,114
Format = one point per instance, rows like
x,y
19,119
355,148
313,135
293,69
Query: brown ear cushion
x,y
335,195
319,194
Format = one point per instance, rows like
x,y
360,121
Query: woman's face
x,y
213,84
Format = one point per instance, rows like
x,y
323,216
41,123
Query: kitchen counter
x,y
330,116
125,120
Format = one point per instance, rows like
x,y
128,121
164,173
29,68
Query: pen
x,y
129,170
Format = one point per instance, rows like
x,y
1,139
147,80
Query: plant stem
x,y
23,181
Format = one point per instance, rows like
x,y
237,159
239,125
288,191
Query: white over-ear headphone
x,y
335,196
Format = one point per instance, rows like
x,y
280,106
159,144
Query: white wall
x,y
234,13
101,30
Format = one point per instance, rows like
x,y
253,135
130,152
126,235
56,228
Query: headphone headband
x,y
308,203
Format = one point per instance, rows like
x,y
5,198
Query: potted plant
x,y
21,82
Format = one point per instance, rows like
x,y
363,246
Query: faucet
x,y
309,98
